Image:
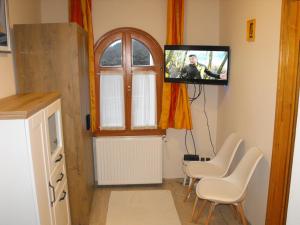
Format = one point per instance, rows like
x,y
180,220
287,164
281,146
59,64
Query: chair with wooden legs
x,y
228,190
217,167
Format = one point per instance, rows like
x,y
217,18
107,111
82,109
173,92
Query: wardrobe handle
x,y
61,177
64,196
59,158
88,122
53,194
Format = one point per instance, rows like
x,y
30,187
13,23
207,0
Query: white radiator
x,y
128,160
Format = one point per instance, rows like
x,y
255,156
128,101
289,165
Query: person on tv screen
x,y
195,70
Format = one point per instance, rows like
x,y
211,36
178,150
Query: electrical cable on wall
x,y
192,99
207,122
201,89
185,138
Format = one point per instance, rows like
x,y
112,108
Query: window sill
x,y
147,132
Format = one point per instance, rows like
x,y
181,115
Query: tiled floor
x,y
223,215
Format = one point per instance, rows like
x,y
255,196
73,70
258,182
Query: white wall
x,y
23,12
200,28
149,16
20,11
54,11
293,216
247,105
7,79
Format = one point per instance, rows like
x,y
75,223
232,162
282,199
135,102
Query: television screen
x,y
197,64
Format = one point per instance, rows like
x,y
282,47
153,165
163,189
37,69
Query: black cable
x,y
191,132
194,95
207,123
185,138
199,93
192,99
186,148
194,91
193,142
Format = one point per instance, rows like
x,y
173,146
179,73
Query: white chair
x,y
228,190
217,167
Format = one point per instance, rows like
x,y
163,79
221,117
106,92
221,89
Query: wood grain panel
x,y
22,106
286,114
53,57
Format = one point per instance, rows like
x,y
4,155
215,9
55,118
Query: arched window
x,y
129,76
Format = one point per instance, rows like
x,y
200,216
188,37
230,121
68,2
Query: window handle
x,y
88,122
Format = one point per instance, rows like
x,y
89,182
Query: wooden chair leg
x,y
211,210
184,180
241,211
194,207
197,217
236,213
190,188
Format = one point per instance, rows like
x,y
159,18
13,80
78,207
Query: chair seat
x,y
218,190
203,169
231,189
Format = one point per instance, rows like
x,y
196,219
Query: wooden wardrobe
x,y
53,57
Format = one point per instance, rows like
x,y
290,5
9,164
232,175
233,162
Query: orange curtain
x,y
81,13
76,12
176,112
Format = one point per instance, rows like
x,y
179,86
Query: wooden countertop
x,y
22,106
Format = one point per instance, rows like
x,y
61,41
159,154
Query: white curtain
x,y
143,111
112,114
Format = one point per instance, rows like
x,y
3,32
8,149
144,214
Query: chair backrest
x,y
245,169
227,152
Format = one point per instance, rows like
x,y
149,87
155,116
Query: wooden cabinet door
x,y
37,150
61,209
54,135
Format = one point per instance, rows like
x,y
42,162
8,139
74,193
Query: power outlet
x,y
204,159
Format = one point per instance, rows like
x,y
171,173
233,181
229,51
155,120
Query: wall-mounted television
x,y
197,64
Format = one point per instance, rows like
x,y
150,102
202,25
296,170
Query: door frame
x,y
286,114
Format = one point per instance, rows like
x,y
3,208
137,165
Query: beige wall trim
x,y
286,114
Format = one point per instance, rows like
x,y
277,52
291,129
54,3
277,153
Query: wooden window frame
x,y
126,35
